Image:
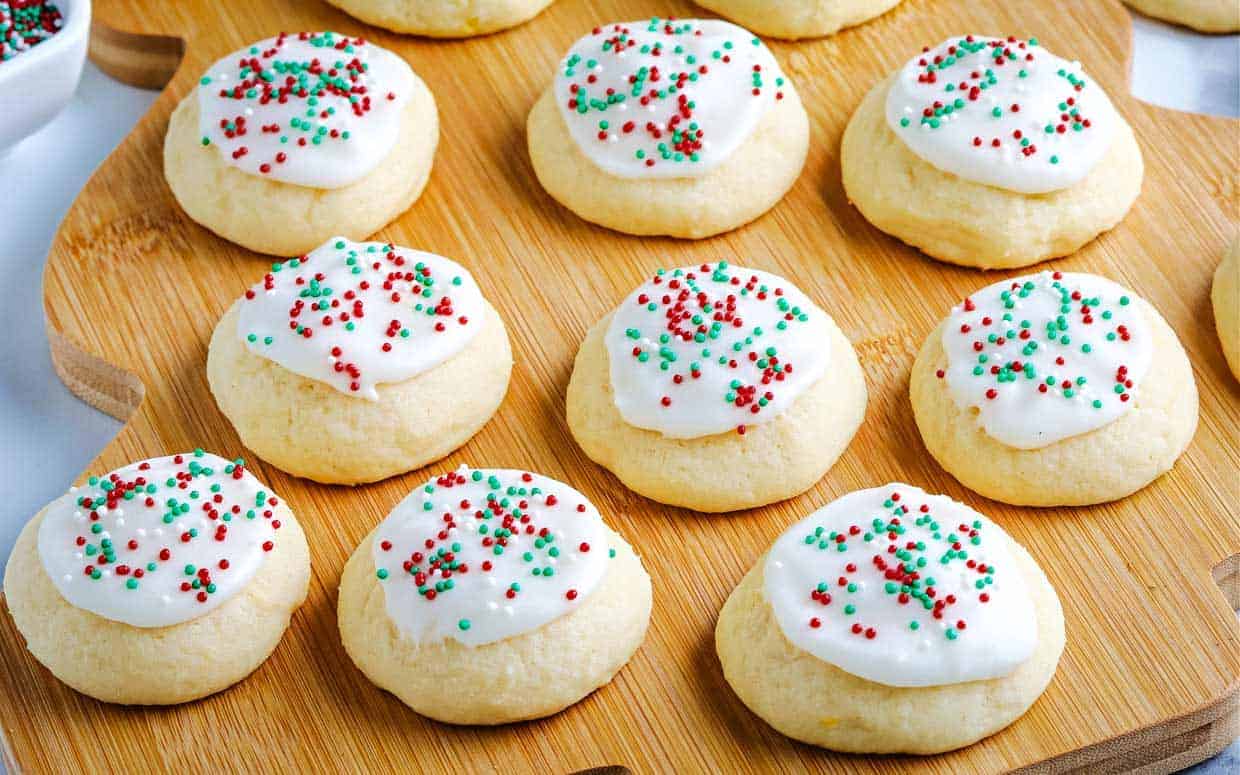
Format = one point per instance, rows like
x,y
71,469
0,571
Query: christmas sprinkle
x,y
707,349
358,314
482,555
1001,111
666,97
313,109
25,24
1046,357
903,588
161,541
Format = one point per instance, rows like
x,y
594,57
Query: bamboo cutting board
x,y
1151,675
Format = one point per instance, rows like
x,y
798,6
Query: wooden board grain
x,y
1150,679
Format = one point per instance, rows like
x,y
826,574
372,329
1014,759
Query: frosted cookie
x,y
992,153
891,621
1054,389
795,19
160,582
300,137
716,388
491,596
1202,15
443,18
1225,295
686,128
359,361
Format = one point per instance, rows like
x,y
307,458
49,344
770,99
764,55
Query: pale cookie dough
x,y
160,582
443,18
1225,295
795,19
492,596
977,165
676,424
1054,389
1213,16
699,139
321,391
258,172
922,650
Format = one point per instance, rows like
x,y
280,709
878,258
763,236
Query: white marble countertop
x,y
47,436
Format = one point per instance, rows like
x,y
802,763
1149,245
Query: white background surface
x,y
48,437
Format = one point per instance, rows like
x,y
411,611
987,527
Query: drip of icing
x,y
161,541
357,314
1045,357
665,98
1003,112
902,588
311,109
702,350
483,555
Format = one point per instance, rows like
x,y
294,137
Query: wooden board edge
x,y
135,59
1227,577
1165,747
108,388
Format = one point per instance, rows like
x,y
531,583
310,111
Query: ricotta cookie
x,y
160,582
300,137
491,596
991,152
685,128
1202,15
795,19
1226,298
1054,389
359,361
443,18
716,388
891,621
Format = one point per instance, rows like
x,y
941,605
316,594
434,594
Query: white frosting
x,y
702,350
665,98
1003,112
1045,357
902,588
312,109
482,555
358,314
161,541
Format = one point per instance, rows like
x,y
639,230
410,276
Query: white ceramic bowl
x,y
37,84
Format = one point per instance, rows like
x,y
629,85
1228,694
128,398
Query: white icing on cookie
x,y
483,555
358,314
665,98
161,541
1045,357
312,109
703,350
1003,112
902,588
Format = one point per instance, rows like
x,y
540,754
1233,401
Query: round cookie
x,y
991,153
359,361
796,19
716,388
685,128
1214,16
1225,295
492,596
1054,389
301,137
160,582
891,621
443,18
